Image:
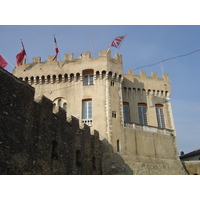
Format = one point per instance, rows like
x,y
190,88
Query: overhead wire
x,y
168,59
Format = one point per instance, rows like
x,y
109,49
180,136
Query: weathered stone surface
x,y
34,140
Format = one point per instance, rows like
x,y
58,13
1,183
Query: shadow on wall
x,y
113,163
185,167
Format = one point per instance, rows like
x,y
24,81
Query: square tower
x,y
88,88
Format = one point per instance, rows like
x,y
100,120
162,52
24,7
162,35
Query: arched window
x,y
71,77
160,115
26,79
48,78
54,78
110,75
97,74
37,80
148,92
142,112
77,76
66,77
32,80
103,74
43,79
65,106
60,78
60,102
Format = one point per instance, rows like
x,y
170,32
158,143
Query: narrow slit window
x,y
78,158
54,153
118,146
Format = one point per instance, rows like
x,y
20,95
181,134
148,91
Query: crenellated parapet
x,y
144,85
154,75
83,56
71,69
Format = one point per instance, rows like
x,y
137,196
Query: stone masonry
x,y
35,140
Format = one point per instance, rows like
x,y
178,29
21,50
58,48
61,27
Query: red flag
x,y
3,63
20,56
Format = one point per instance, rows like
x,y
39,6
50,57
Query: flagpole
x,y
120,45
7,60
91,42
59,56
108,49
162,68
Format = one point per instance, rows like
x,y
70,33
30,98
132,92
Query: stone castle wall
x,y
192,167
34,140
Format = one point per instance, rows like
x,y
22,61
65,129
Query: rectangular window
x,y
126,112
88,79
160,116
142,110
87,112
114,115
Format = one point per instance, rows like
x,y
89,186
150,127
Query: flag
x,y
20,55
56,49
3,63
116,42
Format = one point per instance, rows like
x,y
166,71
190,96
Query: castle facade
x,y
132,113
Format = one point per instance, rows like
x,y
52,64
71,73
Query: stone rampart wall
x,y
34,139
192,167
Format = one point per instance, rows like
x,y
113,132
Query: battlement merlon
x,y
72,65
149,82
83,56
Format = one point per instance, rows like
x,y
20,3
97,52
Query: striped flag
x,y
56,48
116,42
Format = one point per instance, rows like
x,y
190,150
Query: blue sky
x,y
143,45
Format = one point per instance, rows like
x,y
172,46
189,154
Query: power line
x,y
187,54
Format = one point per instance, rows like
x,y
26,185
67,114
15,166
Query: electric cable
x,y
187,54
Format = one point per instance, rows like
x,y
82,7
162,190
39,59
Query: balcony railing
x,y
87,121
148,128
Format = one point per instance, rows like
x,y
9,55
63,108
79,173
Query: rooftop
x,y
193,153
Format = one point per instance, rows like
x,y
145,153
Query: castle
x,y
132,113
